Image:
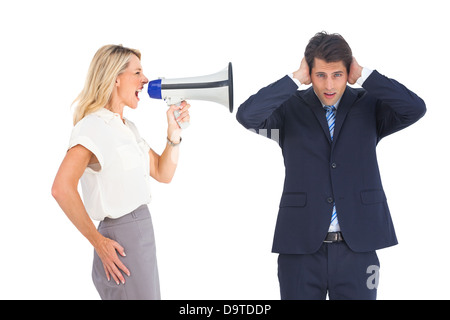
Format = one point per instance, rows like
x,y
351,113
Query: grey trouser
x,y
134,232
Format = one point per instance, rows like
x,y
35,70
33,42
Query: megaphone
x,y
217,87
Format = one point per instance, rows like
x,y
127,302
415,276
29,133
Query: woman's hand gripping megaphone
x,y
178,112
177,118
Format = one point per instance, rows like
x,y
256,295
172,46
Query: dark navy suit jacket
x,y
320,172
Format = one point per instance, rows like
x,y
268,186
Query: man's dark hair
x,y
330,48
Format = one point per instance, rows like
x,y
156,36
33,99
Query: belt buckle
x,y
334,239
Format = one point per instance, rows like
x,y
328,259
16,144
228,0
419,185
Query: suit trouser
x,y
333,269
134,232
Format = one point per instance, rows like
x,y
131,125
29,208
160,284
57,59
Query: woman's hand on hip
x,y
106,250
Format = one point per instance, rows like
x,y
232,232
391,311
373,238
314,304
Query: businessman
x,y
333,212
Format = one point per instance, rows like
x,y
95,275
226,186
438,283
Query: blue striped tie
x,y
331,119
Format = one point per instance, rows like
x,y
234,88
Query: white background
x,y
214,223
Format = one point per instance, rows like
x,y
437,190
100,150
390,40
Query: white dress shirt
x,y
119,183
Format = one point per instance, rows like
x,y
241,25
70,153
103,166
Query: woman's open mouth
x,y
137,94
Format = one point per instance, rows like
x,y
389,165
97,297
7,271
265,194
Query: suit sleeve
x,y
263,110
397,106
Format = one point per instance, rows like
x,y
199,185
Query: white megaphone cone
x,y
217,87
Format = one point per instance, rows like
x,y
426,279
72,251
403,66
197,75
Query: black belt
x,y
333,237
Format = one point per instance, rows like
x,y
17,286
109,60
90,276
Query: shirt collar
x,y
107,115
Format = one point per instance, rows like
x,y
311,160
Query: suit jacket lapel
x,y
348,99
316,106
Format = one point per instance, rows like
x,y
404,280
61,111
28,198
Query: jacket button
x,y
330,200
334,165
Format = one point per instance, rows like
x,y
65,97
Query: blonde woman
x,y
114,165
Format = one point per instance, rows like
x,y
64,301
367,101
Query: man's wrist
x,y
365,73
297,82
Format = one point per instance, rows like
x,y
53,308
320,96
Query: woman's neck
x,y
116,108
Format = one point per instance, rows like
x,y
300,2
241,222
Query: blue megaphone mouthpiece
x,y
154,89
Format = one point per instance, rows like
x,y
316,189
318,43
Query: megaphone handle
x,y
176,113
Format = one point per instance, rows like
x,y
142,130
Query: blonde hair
x,y
108,63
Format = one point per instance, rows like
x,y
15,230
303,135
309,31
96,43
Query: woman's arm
x,y
65,192
162,167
